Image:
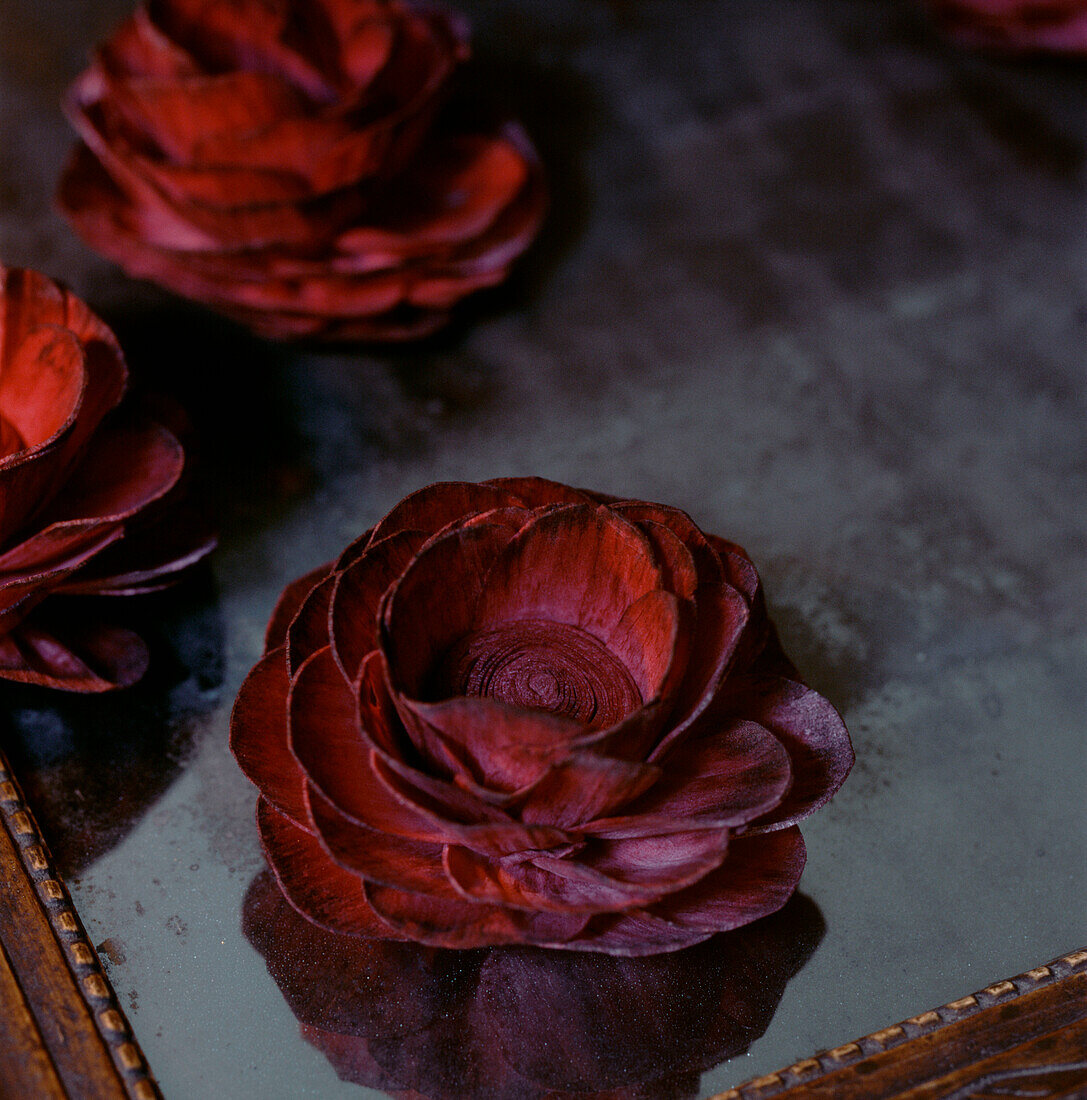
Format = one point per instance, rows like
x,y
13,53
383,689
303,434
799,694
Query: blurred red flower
x,y
516,712
84,493
282,161
1020,26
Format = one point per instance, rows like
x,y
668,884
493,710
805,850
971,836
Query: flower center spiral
x,y
539,665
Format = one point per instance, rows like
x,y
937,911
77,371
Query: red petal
x,y
42,380
356,599
287,605
758,876
461,924
377,856
311,882
815,737
578,564
537,492
649,642
433,507
434,603
727,777
584,787
258,735
505,747
308,630
72,656
635,934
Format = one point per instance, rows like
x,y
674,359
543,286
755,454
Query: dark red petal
x,y
460,818
656,864
721,619
815,737
678,570
258,735
757,877
308,630
649,641
461,924
706,559
356,599
433,507
127,465
578,564
71,656
537,492
289,602
434,603
524,885
728,777
584,787
319,889
377,856
635,934
505,747
42,380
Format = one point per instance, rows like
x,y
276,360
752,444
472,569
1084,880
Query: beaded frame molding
x,y
63,1035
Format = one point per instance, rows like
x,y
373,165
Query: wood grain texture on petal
x,y
258,735
757,878
314,885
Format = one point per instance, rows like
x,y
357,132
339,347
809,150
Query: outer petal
x,y
460,924
756,879
288,604
258,736
312,883
815,737
71,656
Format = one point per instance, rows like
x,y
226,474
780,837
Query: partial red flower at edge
x,y
517,712
85,494
284,162
1016,26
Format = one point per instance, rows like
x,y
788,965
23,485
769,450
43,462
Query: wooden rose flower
x,y
515,712
1016,26
283,162
82,494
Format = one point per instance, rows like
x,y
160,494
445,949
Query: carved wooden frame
x,y
63,1035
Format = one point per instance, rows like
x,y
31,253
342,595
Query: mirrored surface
x,y
809,273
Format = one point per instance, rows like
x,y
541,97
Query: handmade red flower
x,y
1019,26
81,493
280,161
516,712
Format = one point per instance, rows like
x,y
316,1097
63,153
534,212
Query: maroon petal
x,y
288,604
538,492
434,603
311,882
757,877
815,737
458,923
308,630
578,565
635,934
584,787
728,777
433,507
506,748
356,599
376,856
72,656
258,736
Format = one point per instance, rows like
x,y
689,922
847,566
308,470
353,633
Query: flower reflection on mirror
x,y
90,494
520,1023
295,164
517,712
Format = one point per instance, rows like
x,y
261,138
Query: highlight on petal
x,y
520,713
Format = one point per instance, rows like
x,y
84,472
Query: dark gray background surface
x,y
810,274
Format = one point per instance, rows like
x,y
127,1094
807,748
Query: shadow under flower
x,y
91,765
517,1023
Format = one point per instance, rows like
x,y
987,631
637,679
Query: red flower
x,y
279,160
80,493
518,1023
1027,26
515,712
